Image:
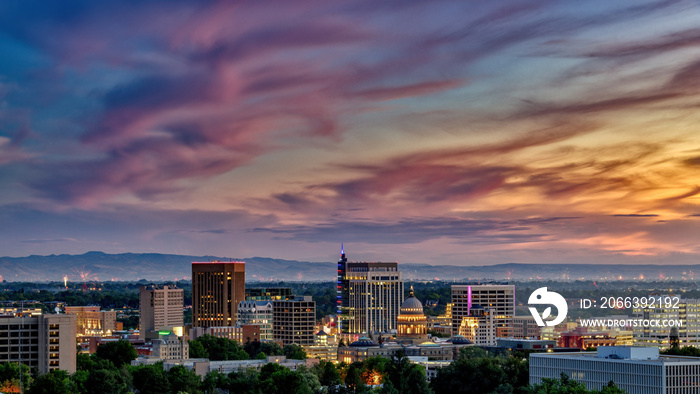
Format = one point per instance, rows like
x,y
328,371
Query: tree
x,y
294,351
407,377
150,379
565,385
197,350
10,376
55,382
327,373
215,380
119,353
185,380
353,380
218,348
104,381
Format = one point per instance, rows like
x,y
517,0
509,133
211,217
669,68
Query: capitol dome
x,y
412,325
411,305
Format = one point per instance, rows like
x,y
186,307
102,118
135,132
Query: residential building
x,y
637,370
217,289
257,312
499,298
293,320
369,296
92,321
160,307
44,342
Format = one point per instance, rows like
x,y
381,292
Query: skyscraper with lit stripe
x,y
369,296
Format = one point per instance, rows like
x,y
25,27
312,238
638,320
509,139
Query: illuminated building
x,y
217,289
44,342
159,307
369,296
92,321
268,293
294,320
257,312
636,370
686,310
583,339
365,348
170,346
412,323
479,327
498,299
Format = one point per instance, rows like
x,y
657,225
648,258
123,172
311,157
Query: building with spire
x,y
369,296
412,323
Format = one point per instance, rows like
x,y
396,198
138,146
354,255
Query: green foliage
x,y
407,377
9,373
682,351
119,352
566,385
327,373
54,382
150,379
217,349
255,348
105,381
476,371
184,380
294,351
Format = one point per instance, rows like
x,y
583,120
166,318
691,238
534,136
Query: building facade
x,y
92,321
637,370
294,320
685,310
369,296
171,347
44,342
257,312
241,333
525,327
217,289
498,299
159,307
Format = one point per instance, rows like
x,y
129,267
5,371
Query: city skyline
x,y
418,132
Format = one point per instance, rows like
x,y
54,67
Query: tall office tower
x,y
499,299
369,296
44,342
294,320
666,308
257,312
159,307
217,288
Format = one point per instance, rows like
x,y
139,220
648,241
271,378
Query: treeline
x,y
108,371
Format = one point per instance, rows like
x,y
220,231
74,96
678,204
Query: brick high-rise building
x,y
159,307
217,288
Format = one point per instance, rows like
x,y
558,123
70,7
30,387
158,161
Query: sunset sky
x,y
439,132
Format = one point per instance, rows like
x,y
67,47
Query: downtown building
x,y
92,321
294,321
490,306
369,296
257,312
160,307
44,342
217,289
685,310
637,370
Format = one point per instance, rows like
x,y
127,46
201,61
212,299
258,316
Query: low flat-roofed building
x,y
365,348
242,334
528,344
93,321
637,370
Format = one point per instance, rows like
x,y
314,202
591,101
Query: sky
x,y
438,132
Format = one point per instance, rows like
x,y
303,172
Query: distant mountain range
x,y
98,266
